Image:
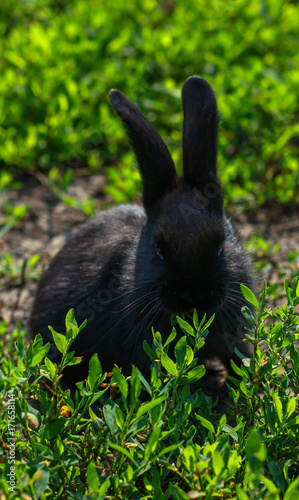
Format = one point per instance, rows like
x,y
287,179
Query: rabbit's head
x,y
188,234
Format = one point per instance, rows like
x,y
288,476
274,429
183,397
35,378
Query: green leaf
x,y
71,325
122,384
59,446
189,456
196,373
148,350
168,449
149,405
256,451
195,320
129,473
92,414
52,367
41,482
155,415
135,386
92,477
276,474
138,425
248,315
82,326
124,451
189,355
174,492
53,428
249,295
70,359
185,326
291,406
171,337
243,387
104,487
168,364
180,351
39,356
218,463
241,495
94,371
292,492
206,423
278,406
33,260
143,381
238,370
70,319
152,443
294,422
270,414
289,292
208,323
222,423
234,463
295,359
60,341
109,416
119,417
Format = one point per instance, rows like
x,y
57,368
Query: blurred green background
x,y
59,58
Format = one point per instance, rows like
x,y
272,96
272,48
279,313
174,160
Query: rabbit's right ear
x,y
154,160
199,132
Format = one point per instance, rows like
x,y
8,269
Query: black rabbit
x,y
130,268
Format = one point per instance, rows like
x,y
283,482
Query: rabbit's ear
x,y
199,132
154,160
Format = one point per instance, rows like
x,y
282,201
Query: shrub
x,y
129,438
61,57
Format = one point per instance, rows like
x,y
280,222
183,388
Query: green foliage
x,y
9,216
13,273
59,183
266,258
124,438
59,58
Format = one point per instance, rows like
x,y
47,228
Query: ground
x,y
48,223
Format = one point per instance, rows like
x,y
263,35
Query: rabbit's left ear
x,y
155,163
199,132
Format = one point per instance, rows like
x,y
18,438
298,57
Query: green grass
x,y
114,443
59,59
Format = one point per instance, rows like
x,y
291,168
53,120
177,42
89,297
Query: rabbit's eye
x,y
158,252
159,255
219,252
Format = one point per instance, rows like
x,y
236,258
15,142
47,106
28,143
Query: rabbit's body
x,y
130,268
88,276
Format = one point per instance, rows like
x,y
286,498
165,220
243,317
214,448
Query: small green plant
x,y
9,216
17,273
262,251
267,261
59,183
123,437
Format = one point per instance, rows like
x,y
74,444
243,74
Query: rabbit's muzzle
x,y
187,298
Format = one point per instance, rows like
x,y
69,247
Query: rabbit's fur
x,y
130,268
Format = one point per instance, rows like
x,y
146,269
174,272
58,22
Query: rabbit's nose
x,y
193,297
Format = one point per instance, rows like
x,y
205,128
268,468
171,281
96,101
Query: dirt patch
x,y
43,230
